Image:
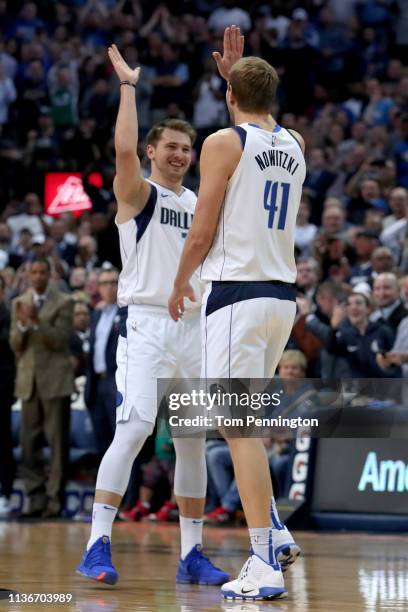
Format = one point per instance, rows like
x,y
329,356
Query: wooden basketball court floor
x,y
337,573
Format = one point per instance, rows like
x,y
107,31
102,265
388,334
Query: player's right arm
x,y
131,189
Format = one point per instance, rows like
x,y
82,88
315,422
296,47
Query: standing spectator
x,y
40,331
100,390
387,299
7,374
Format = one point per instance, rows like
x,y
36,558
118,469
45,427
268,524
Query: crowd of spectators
x,y
344,87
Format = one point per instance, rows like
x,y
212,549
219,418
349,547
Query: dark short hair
x,y
335,289
179,125
42,260
360,294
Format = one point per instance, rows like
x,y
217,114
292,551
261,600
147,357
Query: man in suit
x,y
100,390
41,328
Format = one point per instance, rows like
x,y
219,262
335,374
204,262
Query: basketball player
x,y
153,218
243,235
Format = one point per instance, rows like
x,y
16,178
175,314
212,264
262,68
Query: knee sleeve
x,y
114,470
190,478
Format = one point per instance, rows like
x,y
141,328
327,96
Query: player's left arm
x,y
299,138
219,157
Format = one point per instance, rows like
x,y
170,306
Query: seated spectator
x,y
317,182
229,13
308,274
394,236
398,355
403,283
389,306
329,296
157,472
65,242
169,78
398,202
333,221
77,278
305,232
377,110
381,261
365,243
87,253
369,197
7,94
292,366
357,339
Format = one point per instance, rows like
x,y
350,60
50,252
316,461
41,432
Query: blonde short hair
x,y
253,82
295,357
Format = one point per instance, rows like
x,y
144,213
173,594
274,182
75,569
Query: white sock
x,y
261,542
103,516
191,531
276,522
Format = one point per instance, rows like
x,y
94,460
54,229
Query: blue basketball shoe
x,y
97,563
197,569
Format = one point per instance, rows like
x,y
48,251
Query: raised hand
x,y
124,72
233,48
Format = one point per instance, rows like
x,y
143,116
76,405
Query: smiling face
x,y
357,309
171,156
385,290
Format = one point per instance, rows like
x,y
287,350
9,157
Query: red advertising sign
x,y
64,192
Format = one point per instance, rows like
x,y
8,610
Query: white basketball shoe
x,y
285,548
256,580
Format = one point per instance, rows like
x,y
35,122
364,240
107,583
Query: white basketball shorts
x,y
245,327
151,346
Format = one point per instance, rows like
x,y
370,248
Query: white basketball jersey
x,y
255,237
151,244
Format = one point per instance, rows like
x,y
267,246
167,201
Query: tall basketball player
x,y
243,235
153,218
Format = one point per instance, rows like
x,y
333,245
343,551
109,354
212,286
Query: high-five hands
x,y
124,72
233,49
